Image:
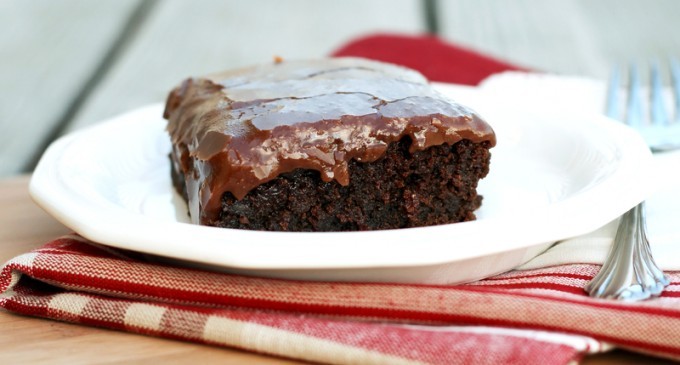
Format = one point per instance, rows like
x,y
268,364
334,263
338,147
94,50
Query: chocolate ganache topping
x,y
236,130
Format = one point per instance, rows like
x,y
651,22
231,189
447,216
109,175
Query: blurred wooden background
x,y
71,63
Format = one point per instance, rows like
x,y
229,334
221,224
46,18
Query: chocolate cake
x,y
324,145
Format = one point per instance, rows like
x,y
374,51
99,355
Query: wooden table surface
x,y
25,340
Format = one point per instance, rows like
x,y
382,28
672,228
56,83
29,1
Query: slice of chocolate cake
x,y
324,145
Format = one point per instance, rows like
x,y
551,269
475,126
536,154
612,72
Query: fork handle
x,y
629,272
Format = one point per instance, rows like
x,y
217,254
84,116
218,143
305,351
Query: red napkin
x,y
74,280
434,58
524,317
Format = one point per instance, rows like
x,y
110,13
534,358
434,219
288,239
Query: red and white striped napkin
x,y
539,316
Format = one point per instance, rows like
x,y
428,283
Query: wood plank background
x,y
68,64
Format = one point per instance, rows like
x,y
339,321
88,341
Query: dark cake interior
x,y
328,145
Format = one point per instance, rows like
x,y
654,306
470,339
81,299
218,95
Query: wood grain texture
x,y
26,340
579,37
184,39
24,224
48,51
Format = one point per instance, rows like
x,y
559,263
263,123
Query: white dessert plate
x,y
552,177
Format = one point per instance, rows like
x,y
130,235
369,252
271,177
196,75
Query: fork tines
x,y
647,110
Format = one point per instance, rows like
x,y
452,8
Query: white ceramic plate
x,y
552,177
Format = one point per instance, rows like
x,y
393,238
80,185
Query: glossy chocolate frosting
x,y
236,130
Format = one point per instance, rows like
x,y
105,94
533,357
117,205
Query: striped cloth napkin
x,y
539,315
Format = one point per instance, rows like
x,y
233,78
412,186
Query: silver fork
x,y
629,272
